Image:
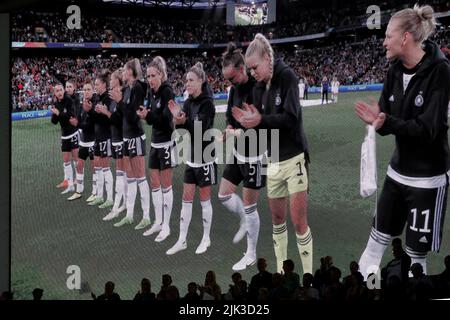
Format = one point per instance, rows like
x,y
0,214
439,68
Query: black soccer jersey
x,y
133,98
102,122
240,94
282,111
199,111
418,116
66,111
116,121
76,104
159,115
87,126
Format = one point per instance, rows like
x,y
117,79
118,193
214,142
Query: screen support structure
x,y
5,157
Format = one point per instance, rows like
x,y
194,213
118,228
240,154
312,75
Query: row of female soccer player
x,y
109,125
265,95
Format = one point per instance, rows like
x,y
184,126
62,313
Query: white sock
x,y
371,257
109,183
68,172
252,226
145,197
417,257
167,207
234,204
64,170
120,181
280,242
207,213
305,249
94,183
125,188
157,198
80,182
100,181
185,219
131,196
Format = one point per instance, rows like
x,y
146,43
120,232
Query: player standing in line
x,y
134,144
246,166
86,128
116,117
62,111
287,178
414,107
201,169
301,89
334,89
70,90
102,147
324,89
162,152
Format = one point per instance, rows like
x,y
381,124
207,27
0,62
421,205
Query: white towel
x,y
368,178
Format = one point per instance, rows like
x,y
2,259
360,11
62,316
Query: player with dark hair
x,y
86,128
62,111
102,148
201,168
162,157
414,108
115,115
246,164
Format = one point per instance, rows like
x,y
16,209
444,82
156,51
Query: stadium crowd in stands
x,y
297,21
400,281
361,62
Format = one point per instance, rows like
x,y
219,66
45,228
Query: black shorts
x,y
250,173
102,149
202,176
162,158
69,144
134,147
86,152
421,209
117,150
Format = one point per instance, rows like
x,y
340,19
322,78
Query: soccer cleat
x,y
141,225
123,222
75,196
106,204
91,198
156,227
180,245
240,234
63,185
203,246
96,202
165,232
246,261
68,189
111,215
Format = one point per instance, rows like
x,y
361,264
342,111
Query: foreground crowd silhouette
x,y
400,281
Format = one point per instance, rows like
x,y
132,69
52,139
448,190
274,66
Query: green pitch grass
x,y
49,233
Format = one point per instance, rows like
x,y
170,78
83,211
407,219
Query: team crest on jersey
x,y
65,110
277,100
158,104
419,100
391,98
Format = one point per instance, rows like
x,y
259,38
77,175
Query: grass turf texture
x,y
49,233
